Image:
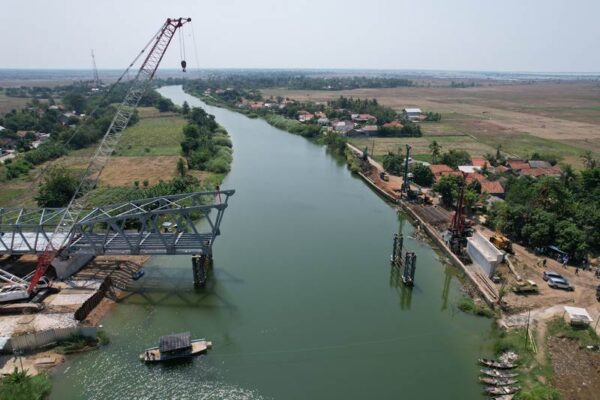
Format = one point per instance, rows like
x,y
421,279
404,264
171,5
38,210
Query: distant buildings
x,y
413,114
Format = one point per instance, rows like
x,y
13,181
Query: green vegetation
x,y
422,175
21,386
585,336
117,194
293,126
562,211
161,135
292,80
468,305
58,188
206,146
534,377
76,344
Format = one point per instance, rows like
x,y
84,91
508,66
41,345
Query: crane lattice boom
x,y
114,132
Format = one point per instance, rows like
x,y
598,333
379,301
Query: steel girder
x,y
158,225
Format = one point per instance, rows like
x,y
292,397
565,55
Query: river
x,y
302,304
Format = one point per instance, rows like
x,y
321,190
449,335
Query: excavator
x,y
502,242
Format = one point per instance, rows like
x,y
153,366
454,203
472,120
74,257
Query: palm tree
x,y
568,175
436,151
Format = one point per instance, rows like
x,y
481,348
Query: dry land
x,y
558,118
148,150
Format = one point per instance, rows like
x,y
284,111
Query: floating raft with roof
x,y
176,346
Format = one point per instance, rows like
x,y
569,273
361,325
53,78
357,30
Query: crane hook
x,y
183,65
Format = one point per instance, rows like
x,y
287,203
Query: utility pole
x,y
95,69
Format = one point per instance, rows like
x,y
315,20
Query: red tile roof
x,y
502,169
393,124
440,168
491,187
517,165
479,162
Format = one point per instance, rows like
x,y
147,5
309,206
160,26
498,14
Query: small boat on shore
x,y
502,390
497,364
497,381
503,397
173,347
497,374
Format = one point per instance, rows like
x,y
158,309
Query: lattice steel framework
x,y
124,112
158,225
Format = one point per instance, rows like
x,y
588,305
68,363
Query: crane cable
x,y
93,112
195,48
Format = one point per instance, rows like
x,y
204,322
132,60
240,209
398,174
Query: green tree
x,y
57,189
422,175
164,105
185,108
448,187
436,150
453,158
393,163
75,101
181,167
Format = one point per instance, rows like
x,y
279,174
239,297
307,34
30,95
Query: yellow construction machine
x,y
502,242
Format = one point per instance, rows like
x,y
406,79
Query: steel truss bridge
x,y
153,226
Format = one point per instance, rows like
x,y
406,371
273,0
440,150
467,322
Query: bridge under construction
x,y
64,238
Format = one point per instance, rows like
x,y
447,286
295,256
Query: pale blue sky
x,y
507,35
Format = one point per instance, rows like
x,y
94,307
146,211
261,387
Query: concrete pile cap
x,y
579,314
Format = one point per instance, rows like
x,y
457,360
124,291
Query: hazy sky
x,y
501,35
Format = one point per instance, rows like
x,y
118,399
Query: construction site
x,y
507,276
61,268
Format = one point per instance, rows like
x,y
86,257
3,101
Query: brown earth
x,y
577,371
123,171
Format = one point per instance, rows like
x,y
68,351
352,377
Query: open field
x,y
156,134
11,103
148,150
558,118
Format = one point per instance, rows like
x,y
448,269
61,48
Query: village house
x,y
479,162
305,116
362,118
343,127
493,188
440,170
413,114
22,134
257,105
2,128
393,125
367,130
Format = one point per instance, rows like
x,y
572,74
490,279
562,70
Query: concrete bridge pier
x,y
201,265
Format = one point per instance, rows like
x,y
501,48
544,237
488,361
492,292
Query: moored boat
x,y
502,390
497,381
497,364
176,346
503,397
497,374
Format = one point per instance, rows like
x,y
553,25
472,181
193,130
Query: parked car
x,y
560,283
552,274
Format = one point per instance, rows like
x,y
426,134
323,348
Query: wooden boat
x,y
497,364
176,346
504,397
497,374
502,390
497,381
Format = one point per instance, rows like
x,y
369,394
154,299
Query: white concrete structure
x,y
484,253
577,316
468,169
413,114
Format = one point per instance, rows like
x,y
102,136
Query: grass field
x,y
156,134
558,118
9,103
